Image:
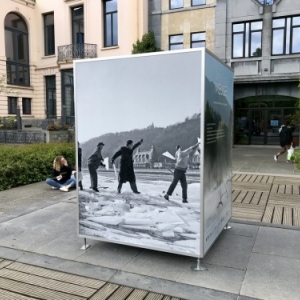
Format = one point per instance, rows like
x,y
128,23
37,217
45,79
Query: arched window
x,y
16,50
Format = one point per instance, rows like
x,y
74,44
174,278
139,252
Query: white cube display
x,y
176,109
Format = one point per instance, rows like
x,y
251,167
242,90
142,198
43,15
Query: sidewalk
x,y
253,260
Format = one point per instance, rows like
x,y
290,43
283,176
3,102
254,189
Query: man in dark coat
x,y
126,165
94,161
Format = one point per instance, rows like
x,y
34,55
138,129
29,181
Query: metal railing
x,y
12,137
30,1
74,51
43,123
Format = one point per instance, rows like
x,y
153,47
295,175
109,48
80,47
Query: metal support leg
x,y
85,246
199,266
227,227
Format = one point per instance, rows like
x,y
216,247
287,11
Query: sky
x,y
122,94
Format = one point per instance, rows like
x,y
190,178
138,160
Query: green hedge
x,y
297,158
24,164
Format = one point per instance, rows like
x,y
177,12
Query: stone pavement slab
x,y
216,278
159,264
232,251
109,255
278,242
260,159
272,277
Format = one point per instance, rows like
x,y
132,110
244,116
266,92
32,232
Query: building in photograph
x,y
40,39
260,40
145,159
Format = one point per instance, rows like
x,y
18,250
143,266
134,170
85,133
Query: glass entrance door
x,y
274,121
256,127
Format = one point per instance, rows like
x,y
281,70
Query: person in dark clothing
x,y
62,177
79,167
94,161
126,165
285,139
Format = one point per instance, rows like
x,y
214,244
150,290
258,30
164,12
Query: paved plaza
x,y
258,258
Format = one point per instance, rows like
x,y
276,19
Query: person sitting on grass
x,y
62,177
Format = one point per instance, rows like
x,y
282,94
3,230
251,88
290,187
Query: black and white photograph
x,y
138,125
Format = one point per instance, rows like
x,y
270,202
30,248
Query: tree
x,y
4,89
257,52
146,45
294,118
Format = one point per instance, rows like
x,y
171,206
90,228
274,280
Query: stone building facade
x,y
183,24
40,40
260,40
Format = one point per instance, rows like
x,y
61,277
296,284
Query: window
x,y
26,106
174,4
67,93
110,23
286,35
77,25
266,2
198,39
12,105
198,2
16,50
49,34
176,42
50,96
246,39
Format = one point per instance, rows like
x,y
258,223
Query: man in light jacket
x,y
94,161
182,159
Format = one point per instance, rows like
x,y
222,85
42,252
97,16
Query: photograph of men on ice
x,y
181,165
126,165
94,161
144,117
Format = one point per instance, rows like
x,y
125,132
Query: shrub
x,y
8,123
56,126
25,164
146,45
297,158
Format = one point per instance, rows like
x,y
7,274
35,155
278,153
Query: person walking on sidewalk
x,y
62,177
126,165
94,161
285,139
181,165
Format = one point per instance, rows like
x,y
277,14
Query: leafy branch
x,y
5,89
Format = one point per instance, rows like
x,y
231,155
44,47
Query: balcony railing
x,y
30,1
76,51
